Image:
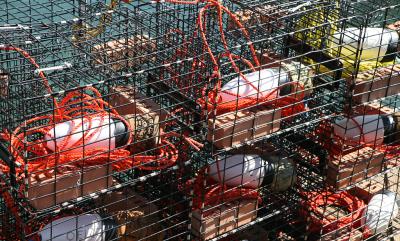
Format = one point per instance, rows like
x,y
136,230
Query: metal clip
x,y
54,68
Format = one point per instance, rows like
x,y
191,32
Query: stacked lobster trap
x,y
343,156
199,120
91,149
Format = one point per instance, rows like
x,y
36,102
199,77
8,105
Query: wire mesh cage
x,y
314,33
82,120
199,120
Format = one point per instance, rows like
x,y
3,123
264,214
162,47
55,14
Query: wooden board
x,y
218,220
137,217
46,190
146,117
354,167
231,129
126,52
377,83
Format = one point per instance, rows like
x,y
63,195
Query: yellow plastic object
x,y
317,28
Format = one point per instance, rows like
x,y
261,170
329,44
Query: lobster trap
x,y
82,122
199,120
336,143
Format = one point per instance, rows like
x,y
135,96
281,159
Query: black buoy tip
x,y
269,174
286,89
110,228
121,133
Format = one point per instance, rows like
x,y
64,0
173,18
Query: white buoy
x,y
377,42
236,170
372,126
265,81
103,132
87,227
251,171
381,209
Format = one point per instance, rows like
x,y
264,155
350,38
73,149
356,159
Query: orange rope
x,y
33,62
318,220
78,104
215,193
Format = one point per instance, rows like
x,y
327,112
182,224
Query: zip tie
x,y
54,68
308,3
14,27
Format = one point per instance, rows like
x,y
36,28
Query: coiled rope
x,y
312,208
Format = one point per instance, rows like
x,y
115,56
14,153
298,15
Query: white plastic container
x,y
381,209
88,227
104,133
374,45
372,126
236,170
265,81
251,171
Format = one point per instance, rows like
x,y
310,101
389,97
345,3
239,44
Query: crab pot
x,y
124,53
213,221
145,116
235,128
53,188
354,166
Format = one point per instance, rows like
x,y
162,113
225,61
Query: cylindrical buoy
x,y
374,43
371,129
251,171
380,211
265,81
237,170
101,132
87,227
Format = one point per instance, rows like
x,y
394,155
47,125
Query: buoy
x,y
87,227
265,81
381,209
374,129
375,44
251,171
102,132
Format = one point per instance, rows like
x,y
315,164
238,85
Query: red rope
x,y
208,192
319,220
77,104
